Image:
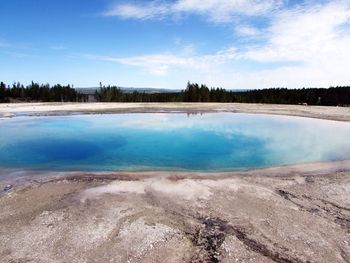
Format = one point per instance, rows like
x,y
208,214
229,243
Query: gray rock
x,y
8,187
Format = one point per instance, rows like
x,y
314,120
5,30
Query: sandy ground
x,y
293,214
333,113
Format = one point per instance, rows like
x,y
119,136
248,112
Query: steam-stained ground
x,y
284,214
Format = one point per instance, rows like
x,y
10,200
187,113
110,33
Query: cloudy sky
x,y
157,43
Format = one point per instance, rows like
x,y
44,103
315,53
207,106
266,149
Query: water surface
x,y
169,141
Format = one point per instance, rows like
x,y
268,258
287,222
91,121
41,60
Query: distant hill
x,y
91,90
148,90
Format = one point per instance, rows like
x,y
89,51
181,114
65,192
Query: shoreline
x,y
304,169
18,178
52,109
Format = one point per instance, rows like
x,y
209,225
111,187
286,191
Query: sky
x,y
234,44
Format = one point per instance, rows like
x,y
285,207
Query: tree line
x,y
37,92
333,96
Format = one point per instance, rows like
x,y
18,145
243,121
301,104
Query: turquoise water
x,y
133,142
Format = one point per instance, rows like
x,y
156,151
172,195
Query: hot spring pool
x,y
169,141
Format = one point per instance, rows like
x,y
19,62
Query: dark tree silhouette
x,y
333,96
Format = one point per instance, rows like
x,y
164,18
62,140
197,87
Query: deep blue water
x,y
209,142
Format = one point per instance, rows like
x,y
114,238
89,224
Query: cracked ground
x,y
236,218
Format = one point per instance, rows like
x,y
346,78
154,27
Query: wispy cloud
x,y
161,64
246,30
303,45
4,44
15,54
157,64
12,50
224,10
151,10
315,36
304,34
215,10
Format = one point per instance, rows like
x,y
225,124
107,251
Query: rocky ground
x,y
286,214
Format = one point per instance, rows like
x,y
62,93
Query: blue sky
x,y
163,44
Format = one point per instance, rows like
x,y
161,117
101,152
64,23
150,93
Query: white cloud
x,y
151,10
215,10
304,34
161,64
317,37
157,64
245,30
307,45
225,10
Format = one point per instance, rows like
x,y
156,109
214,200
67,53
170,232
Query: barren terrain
x,y
322,112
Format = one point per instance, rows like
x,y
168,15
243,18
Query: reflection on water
x,y
162,141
